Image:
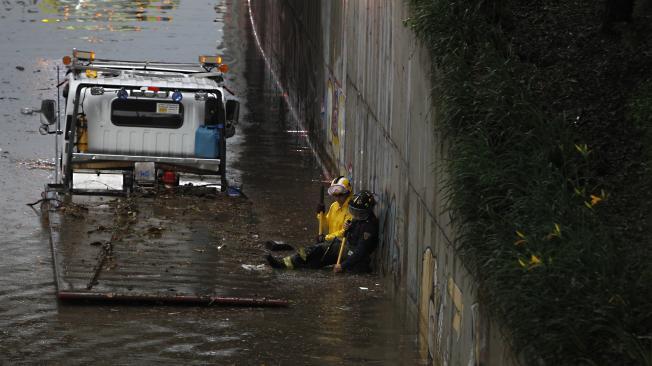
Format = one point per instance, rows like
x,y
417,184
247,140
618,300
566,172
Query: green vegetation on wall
x,y
549,179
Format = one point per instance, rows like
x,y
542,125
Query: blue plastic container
x,y
207,142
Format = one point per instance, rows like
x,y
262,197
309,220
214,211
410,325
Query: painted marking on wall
x,y
456,296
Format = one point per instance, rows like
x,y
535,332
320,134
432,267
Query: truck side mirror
x,y
213,112
48,110
232,111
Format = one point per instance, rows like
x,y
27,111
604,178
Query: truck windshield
x,y
146,113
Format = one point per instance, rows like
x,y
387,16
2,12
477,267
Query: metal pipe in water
x,y
171,299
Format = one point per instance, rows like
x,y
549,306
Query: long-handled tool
x,y
347,226
339,256
320,215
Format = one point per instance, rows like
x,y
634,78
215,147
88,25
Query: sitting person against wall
x,y
360,239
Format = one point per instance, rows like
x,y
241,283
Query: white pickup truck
x,y
146,123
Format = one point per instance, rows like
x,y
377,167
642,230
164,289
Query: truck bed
x,y
168,248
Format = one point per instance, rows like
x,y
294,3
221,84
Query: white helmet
x,y
339,186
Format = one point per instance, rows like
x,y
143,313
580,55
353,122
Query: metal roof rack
x,y
185,68
85,60
110,65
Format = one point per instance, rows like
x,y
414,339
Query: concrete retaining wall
x,y
359,81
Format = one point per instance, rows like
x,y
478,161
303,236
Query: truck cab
x,y
146,122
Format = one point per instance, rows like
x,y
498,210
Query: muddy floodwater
x,y
331,320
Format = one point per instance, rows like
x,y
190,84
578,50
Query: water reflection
x,y
106,15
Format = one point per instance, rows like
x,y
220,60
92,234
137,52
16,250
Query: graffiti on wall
x,y
338,116
431,308
389,243
438,298
328,105
335,136
441,307
429,268
333,113
477,336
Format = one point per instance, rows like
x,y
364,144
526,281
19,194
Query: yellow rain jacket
x,y
333,221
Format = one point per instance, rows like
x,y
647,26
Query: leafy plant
x,y
551,235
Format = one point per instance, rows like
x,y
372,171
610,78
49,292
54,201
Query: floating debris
x,y
98,229
37,164
252,267
152,231
73,209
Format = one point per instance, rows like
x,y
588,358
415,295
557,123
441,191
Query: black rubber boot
x,y
273,262
275,245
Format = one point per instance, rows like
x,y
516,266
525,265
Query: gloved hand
x,y
347,225
321,208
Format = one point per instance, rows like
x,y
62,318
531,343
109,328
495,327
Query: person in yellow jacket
x,y
333,223
338,212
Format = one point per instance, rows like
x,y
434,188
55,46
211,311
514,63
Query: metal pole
x,y
56,135
224,183
170,299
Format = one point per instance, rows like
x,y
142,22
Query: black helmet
x,y
361,205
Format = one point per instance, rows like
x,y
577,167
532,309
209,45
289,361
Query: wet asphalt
x,y
332,320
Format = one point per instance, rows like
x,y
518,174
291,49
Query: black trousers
x,y
316,255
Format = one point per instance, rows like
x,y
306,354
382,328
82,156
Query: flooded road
x,y
332,320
